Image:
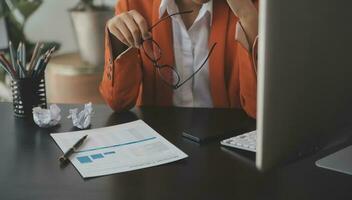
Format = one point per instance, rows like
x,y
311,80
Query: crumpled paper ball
x,y
81,119
46,118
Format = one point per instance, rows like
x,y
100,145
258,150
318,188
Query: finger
x,y
121,26
118,35
142,24
134,29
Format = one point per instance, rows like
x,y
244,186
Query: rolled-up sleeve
x,y
247,65
122,75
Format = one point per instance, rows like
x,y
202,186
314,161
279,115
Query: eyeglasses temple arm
x,y
205,61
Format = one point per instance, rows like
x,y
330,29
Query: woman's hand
x,y
129,27
247,13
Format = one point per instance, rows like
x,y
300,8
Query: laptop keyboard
x,y
247,141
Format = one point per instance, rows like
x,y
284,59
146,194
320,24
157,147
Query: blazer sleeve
x,y
122,75
248,81
247,69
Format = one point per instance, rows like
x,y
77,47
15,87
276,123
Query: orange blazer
x,y
131,78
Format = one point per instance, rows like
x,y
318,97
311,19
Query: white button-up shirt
x,y
190,51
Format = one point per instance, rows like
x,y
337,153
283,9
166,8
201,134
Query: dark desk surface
x,y
29,168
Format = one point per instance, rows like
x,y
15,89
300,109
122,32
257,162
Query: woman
x,y
189,53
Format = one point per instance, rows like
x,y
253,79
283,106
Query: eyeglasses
x,y
169,74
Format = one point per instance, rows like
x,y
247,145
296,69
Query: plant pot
x,y
90,31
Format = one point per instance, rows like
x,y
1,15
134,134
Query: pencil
x,y
37,56
41,47
52,50
6,65
19,51
42,68
5,61
22,69
38,65
19,58
34,55
24,56
13,56
42,65
6,69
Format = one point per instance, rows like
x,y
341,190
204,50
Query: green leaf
x,y
27,8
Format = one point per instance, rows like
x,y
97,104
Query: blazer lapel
x,y
217,59
162,34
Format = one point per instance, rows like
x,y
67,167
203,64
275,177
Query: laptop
x,y
304,80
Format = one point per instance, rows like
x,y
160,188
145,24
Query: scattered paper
x,y
46,118
81,119
119,148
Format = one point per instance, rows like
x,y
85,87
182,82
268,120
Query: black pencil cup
x,y
28,93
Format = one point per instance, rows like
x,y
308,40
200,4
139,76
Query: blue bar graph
x,y
97,156
91,158
84,159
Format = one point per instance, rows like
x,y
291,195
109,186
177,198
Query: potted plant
x,y
15,14
89,19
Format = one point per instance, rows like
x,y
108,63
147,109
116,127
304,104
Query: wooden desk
x,y
29,168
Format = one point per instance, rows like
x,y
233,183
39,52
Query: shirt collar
x,y
170,4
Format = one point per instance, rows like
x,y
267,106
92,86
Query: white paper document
x,y
119,148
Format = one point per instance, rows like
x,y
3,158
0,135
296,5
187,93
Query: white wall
x,y
51,22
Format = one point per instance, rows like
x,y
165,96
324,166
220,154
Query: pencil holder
x,y
28,93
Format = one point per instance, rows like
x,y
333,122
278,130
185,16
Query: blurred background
x,y
76,27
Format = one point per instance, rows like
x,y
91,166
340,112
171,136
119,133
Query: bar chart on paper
x,y
89,159
118,149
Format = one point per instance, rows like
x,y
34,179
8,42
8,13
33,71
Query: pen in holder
x,y
28,78
28,93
